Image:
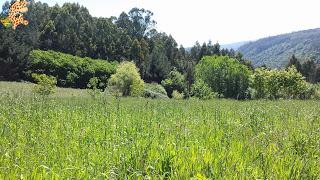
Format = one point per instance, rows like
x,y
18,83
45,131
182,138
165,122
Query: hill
x,y
275,51
234,46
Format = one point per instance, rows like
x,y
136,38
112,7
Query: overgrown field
x,y
68,136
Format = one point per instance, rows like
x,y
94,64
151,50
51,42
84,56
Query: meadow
x,y
71,135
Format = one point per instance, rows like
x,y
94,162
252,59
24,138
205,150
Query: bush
x,y
71,71
224,75
312,92
45,86
154,91
175,81
202,91
275,84
126,80
93,89
177,95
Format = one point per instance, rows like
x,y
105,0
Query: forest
x,y
71,29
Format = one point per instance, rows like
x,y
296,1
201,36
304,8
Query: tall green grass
x,y
133,138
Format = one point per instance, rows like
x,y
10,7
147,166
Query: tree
x,y
224,75
274,84
158,65
294,62
196,52
308,70
175,81
45,86
202,91
127,80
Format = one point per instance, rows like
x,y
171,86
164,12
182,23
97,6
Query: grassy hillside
x,y
275,51
73,137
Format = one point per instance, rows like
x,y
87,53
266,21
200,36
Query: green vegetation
x,y
309,69
126,81
276,84
45,84
154,91
71,71
224,75
275,51
72,30
85,138
174,82
93,87
202,91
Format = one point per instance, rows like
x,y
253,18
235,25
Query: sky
x,y
223,21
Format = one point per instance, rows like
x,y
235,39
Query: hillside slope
x,y
234,46
275,51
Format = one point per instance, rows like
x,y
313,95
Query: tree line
x,y
309,69
71,29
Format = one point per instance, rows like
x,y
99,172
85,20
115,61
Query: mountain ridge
x,y
275,51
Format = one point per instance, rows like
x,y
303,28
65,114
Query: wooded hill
x,y
276,51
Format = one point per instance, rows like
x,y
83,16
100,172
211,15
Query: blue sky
x,y
226,21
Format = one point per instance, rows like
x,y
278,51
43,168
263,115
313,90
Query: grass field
x,y
73,136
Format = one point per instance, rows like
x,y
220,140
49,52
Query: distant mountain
x,y
234,46
275,51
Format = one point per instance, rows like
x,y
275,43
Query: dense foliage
x,y
126,81
70,71
71,29
309,69
45,84
275,51
202,91
224,75
154,91
135,138
274,84
175,81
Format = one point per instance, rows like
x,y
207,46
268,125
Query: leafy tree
x,y
127,80
45,84
196,52
175,81
158,66
224,75
202,91
274,84
93,87
294,62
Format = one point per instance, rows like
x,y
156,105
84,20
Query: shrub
x,y
45,84
71,71
177,95
126,80
175,81
154,91
274,84
202,91
312,92
224,75
93,89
